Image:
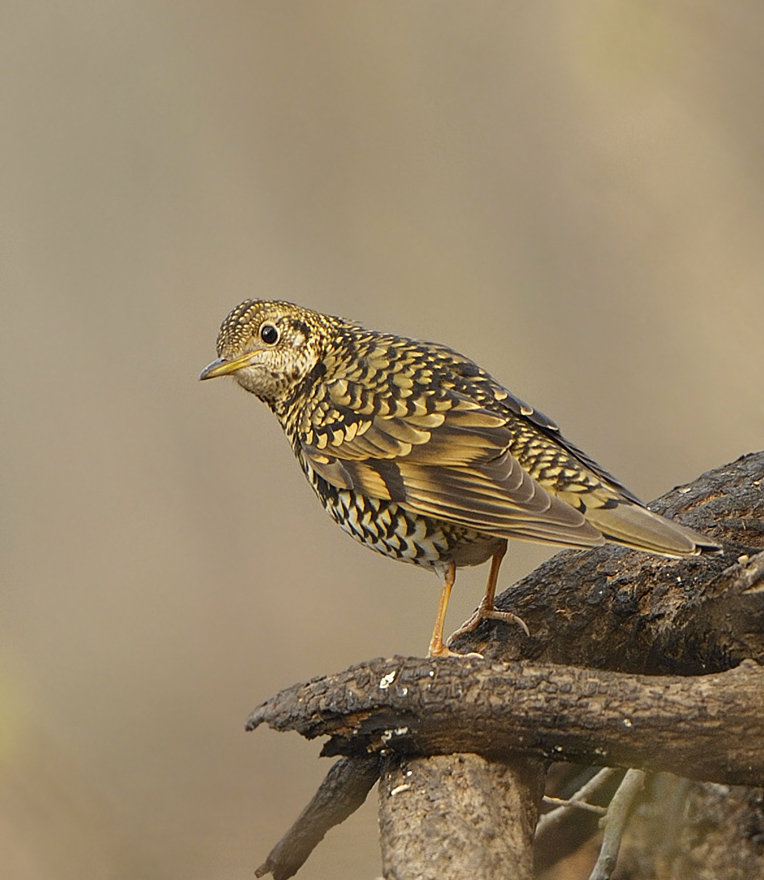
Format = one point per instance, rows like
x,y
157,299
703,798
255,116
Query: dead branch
x,y
579,800
341,793
438,817
614,608
615,823
618,614
707,727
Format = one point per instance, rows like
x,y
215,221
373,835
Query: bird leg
x,y
437,648
486,609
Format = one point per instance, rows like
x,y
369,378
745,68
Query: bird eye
x,y
269,334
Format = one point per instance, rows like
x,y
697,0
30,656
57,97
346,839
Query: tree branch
x,y
614,608
341,793
612,611
707,728
615,823
579,800
438,817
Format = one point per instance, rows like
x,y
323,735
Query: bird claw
x,y
480,614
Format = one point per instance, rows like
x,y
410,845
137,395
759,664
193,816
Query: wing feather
x,y
451,462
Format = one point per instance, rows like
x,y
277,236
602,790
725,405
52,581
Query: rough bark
x,y
458,816
703,727
635,660
614,608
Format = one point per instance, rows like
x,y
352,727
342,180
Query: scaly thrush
x,y
420,454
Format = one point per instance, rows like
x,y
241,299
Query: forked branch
x,y
632,660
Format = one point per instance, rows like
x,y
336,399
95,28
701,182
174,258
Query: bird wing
x,y
440,453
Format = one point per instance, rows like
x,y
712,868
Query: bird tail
x,y
635,526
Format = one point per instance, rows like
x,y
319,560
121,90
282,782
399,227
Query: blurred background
x,y
571,193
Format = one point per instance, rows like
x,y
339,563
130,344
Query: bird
x,y
420,454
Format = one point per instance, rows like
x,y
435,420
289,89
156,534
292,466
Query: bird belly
x,y
396,532
399,533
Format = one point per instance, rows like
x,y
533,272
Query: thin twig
x,y
578,800
565,803
615,822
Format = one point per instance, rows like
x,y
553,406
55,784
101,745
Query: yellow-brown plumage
x,y
420,454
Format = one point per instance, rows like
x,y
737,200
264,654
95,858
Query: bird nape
x,y
421,455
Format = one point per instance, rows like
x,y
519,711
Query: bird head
x,y
269,347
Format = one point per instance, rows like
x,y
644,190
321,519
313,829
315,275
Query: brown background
x,y
569,192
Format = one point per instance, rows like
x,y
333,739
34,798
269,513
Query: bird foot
x,y
482,613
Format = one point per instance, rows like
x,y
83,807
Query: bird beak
x,y
223,367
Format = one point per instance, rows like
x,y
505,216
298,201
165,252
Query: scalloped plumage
x,y
420,454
